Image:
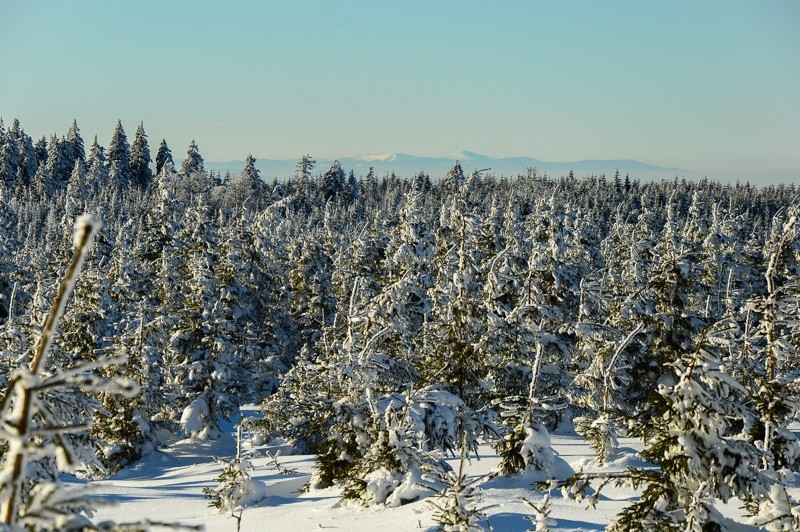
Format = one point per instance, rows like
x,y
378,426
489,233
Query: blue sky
x,y
711,86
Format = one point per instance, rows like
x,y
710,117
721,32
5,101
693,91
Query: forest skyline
x,y
709,87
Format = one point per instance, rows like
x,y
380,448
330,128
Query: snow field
x,y
167,486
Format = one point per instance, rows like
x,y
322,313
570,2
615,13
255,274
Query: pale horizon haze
x,y
710,86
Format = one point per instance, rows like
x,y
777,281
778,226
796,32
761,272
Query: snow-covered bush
x,y
687,439
601,433
404,460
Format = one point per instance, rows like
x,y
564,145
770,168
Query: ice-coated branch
x,y
608,372
86,227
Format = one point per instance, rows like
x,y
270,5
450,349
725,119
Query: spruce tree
x,y
687,439
193,162
119,156
56,164
772,348
28,163
73,146
303,176
97,176
40,149
9,160
246,190
163,156
333,181
141,175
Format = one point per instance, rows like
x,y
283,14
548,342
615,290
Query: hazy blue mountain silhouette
x,y
405,165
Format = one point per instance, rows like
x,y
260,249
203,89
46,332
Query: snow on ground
x,y
167,486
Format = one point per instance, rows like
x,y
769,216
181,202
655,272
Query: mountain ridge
x,y
407,165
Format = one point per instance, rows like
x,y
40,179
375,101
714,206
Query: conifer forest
x,y
394,327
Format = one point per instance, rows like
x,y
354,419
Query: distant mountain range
x,y
405,165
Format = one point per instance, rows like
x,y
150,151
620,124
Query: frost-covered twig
x,y
609,370
542,519
282,470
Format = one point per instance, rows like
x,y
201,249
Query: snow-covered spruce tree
x,y
548,298
772,349
525,444
514,345
208,373
450,354
310,271
97,171
333,182
252,288
531,286
607,328
73,147
141,175
163,156
724,265
36,428
119,157
59,161
246,190
686,438
193,162
601,388
400,280
127,426
28,161
9,159
301,185
321,408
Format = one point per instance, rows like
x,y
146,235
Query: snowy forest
x,y
385,324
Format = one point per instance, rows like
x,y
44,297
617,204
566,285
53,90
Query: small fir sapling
x,y
235,489
541,519
36,432
456,507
